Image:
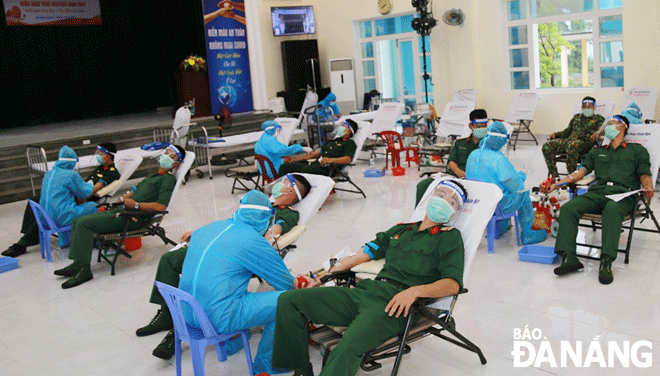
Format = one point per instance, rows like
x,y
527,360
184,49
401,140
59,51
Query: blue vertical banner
x,y
227,53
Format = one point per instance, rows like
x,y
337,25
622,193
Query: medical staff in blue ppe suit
x,y
60,187
270,147
331,101
488,164
221,259
633,113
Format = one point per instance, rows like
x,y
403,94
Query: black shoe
x,y
162,321
605,271
15,250
82,275
67,271
165,349
569,264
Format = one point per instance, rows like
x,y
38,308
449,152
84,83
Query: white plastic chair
x,y
645,97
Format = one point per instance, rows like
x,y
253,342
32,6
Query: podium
x,y
193,84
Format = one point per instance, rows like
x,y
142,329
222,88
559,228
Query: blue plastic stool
x,y
491,231
47,228
198,339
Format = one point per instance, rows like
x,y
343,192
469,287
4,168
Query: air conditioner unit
x,y
342,84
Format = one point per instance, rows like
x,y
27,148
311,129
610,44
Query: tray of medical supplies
x,y
8,263
374,173
538,253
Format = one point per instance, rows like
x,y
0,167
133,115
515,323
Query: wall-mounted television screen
x,y
293,20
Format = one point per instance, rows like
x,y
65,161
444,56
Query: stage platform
x,y
126,131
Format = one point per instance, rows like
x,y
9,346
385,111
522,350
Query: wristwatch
x,y
137,205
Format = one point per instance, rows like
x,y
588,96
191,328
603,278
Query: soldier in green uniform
x,y
619,168
459,154
573,141
151,194
338,151
171,263
424,260
103,175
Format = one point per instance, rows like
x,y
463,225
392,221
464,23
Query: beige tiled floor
x,y
90,330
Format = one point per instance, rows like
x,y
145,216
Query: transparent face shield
x,y
451,193
282,186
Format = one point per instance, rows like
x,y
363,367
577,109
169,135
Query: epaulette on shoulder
x,y
405,223
448,228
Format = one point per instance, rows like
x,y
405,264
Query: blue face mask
x,y
277,189
439,210
480,133
611,132
588,112
341,131
99,159
166,161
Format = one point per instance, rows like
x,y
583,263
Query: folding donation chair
x,y
307,208
471,221
465,95
521,113
454,123
149,220
198,338
645,97
126,166
647,135
383,119
36,162
340,173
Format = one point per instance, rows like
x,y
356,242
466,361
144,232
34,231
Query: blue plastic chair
x,y
198,339
491,231
47,228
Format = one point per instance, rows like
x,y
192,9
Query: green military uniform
x,y
617,171
459,154
412,258
29,227
337,148
154,188
171,263
573,141
103,174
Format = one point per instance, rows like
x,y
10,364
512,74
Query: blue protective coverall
x,y
270,147
633,113
488,164
329,102
59,188
221,259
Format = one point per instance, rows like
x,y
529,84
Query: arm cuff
x,y
368,247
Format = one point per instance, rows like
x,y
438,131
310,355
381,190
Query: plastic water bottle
x,y
371,161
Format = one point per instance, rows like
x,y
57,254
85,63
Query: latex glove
x,y
307,149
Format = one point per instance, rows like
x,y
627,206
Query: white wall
x,y
471,55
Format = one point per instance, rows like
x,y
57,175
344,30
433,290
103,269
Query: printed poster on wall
x,y
227,53
52,13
